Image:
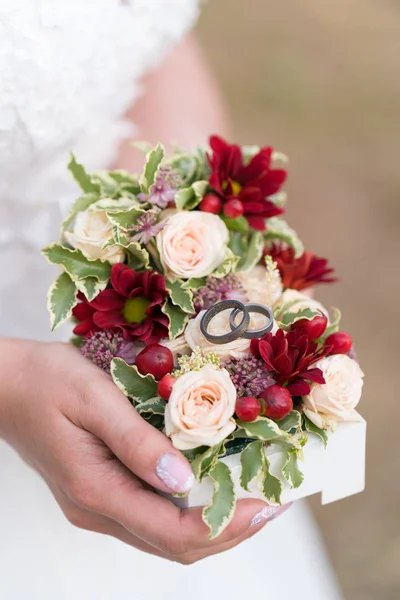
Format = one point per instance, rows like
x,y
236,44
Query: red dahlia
x,y
289,356
303,272
251,184
132,305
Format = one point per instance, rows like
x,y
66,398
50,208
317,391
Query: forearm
x,y
181,103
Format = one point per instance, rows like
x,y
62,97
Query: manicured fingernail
x,y
269,513
175,473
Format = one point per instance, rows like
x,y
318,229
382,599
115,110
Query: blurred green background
x,y
321,82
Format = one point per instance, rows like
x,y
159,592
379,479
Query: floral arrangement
x,y
144,258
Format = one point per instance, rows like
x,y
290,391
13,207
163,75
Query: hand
x,y
99,457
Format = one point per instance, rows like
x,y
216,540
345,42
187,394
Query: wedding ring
x,y
249,334
237,330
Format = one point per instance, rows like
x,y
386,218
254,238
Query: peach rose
x,y
90,232
334,401
200,409
192,244
219,326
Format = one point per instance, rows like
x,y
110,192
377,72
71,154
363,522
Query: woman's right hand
x,y
101,459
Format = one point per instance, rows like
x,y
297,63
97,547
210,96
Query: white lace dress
x,y
68,71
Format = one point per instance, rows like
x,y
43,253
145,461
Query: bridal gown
x,y
68,71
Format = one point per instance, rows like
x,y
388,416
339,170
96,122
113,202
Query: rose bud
x,y
155,360
338,343
313,328
278,402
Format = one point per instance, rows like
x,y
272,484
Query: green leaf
x,y
136,255
252,252
177,319
305,313
126,218
82,178
271,485
278,229
180,296
113,205
203,462
153,406
238,224
252,462
90,287
279,199
80,205
61,300
195,283
221,510
334,323
153,161
228,265
189,198
191,167
131,382
311,428
76,264
292,421
266,430
291,471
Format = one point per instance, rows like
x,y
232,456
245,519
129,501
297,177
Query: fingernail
x,y
269,513
175,473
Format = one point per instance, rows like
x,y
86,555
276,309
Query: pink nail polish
x,y
175,473
269,513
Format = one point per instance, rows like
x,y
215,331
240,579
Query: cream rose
x,y
219,326
301,301
90,232
335,400
200,409
192,244
262,286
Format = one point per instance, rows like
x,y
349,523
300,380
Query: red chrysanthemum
x,y
132,305
303,272
289,356
252,184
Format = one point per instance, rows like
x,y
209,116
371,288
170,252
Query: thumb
x,y
144,450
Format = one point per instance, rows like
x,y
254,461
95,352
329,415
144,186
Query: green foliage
x,y
249,248
292,421
238,224
131,382
76,264
252,463
228,265
82,178
181,297
115,184
191,167
334,323
271,485
290,469
177,319
194,283
90,287
204,461
125,218
267,430
153,162
221,510
292,317
137,256
311,428
278,229
153,406
190,197
61,300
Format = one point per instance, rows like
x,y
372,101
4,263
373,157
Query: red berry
x,y
233,208
339,343
278,402
211,203
248,408
314,328
165,385
156,360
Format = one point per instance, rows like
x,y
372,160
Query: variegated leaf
x,y
61,300
278,229
252,462
90,287
221,510
76,264
80,205
312,428
82,178
131,382
271,485
252,252
180,296
291,471
153,162
177,319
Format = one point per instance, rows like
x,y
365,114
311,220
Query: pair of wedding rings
x,y
237,330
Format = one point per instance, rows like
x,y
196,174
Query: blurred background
x,y
321,82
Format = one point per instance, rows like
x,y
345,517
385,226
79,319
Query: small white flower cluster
x,y
196,361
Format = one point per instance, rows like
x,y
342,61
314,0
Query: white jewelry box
x,y
336,471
